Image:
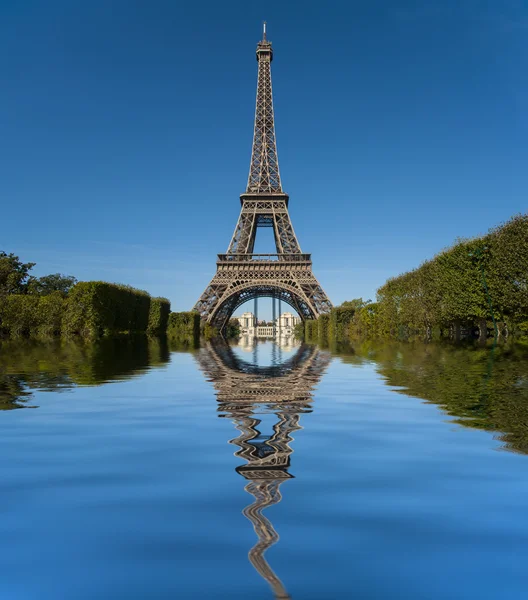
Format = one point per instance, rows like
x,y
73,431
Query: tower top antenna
x,y
264,31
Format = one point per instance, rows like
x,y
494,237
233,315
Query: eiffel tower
x,y
242,275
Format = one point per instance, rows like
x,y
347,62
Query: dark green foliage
x,y
15,278
340,318
158,316
50,312
95,308
37,306
508,266
233,328
462,289
311,329
208,331
299,331
23,315
465,286
13,274
183,324
19,314
366,321
42,286
323,327
355,304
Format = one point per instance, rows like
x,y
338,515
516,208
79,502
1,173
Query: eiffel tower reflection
x,y
245,390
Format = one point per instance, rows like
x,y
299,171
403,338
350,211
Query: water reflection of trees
x,y
485,388
244,391
27,365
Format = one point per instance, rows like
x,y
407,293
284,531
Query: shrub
x,y
94,308
299,331
310,330
462,287
233,328
50,310
323,326
22,314
184,324
19,314
340,318
158,316
208,331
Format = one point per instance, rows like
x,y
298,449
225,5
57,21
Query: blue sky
x,y
126,132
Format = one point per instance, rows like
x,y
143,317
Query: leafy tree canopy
x,y
56,282
14,274
356,303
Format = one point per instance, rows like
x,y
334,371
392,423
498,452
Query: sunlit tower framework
x,y
241,274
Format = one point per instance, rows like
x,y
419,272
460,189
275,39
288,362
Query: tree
x,y
355,304
56,282
233,328
14,274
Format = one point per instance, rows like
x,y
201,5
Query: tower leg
x,y
273,316
255,311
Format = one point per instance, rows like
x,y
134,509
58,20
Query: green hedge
x,y
299,331
94,308
50,313
458,292
323,327
22,315
310,330
19,314
455,288
158,316
183,324
340,319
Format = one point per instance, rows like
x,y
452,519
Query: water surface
x,y
149,469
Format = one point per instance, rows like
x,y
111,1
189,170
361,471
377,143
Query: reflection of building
x,y
243,390
282,326
286,343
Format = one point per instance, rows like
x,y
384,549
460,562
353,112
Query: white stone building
x,y
286,323
283,326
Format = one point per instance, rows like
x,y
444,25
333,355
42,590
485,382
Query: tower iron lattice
x,y
241,274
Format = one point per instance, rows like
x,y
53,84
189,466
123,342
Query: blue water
x,y
256,473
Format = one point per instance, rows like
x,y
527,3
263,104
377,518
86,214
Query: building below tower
x,y
282,326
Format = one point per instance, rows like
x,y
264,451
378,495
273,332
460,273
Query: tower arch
x,y
283,292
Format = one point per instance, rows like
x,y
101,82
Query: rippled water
x,y
151,470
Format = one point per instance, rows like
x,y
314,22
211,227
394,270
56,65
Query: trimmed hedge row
x,y
340,319
158,316
465,286
323,326
183,324
92,309
95,308
473,288
311,329
328,325
24,315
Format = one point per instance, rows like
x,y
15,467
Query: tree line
x,y
477,286
60,305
